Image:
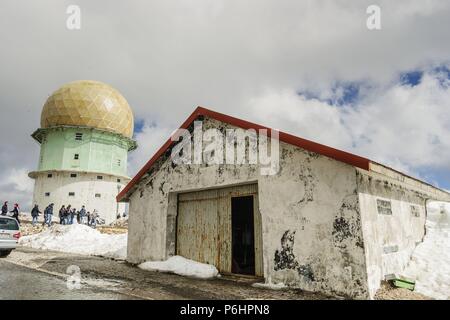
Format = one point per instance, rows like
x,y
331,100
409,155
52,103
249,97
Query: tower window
x,y
47,194
76,156
118,180
71,194
98,195
73,175
384,207
415,212
49,175
99,177
78,136
118,162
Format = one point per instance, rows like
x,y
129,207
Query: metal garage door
x,y
204,227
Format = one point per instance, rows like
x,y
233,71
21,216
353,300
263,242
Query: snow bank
x,y
80,239
430,262
182,266
270,285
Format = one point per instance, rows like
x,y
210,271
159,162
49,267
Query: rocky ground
x,y
389,292
118,226
26,228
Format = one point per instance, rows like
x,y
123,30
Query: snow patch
x,y
182,266
430,261
79,239
270,285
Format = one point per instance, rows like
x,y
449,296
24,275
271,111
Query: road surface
x,y
37,274
18,282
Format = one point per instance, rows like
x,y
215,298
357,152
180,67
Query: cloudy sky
x,y
307,67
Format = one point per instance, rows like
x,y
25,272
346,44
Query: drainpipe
x,y
117,203
426,216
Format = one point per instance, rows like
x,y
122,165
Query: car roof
x,y
6,217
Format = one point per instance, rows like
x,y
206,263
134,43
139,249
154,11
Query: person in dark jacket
x,y
45,216
94,217
5,208
15,212
72,214
83,215
62,213
67,214
35,214
48,213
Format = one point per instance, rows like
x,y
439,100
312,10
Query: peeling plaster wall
x,y
389,239
311,225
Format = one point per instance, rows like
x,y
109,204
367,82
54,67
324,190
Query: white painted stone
x,y
85,186
324,208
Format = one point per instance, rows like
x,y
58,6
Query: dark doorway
x,y
243,235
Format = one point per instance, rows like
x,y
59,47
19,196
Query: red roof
x,y
336,154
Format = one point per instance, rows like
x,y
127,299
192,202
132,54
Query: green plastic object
x,y
401,283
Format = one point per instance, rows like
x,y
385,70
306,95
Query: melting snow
x,y
270,285
430,262
80,239
182,266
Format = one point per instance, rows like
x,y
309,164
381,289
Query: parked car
x,y
9,235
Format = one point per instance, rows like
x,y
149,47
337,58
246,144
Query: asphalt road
x,y
17,282
37,274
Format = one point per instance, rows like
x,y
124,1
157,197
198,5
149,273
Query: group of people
x,y
15,211
67,215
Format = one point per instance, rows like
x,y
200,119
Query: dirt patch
x,y
389,292
112,230
120,223
26,228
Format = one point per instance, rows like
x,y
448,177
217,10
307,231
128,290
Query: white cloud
x,y
167,57
309,118
404,126
16,187
149,140
19,179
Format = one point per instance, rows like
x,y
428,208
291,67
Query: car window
x,y
8,224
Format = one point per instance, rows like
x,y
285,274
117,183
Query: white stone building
x,y
85,136
328,221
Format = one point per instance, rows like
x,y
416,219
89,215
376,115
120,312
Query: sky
x,y
308,67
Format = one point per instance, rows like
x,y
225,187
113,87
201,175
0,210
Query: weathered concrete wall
x,y
412,183
389,239
311,227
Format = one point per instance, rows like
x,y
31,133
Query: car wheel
x,y
5,253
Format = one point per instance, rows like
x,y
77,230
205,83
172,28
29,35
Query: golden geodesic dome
x,y
88,103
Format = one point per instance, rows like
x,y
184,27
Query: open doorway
x,y
243,235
